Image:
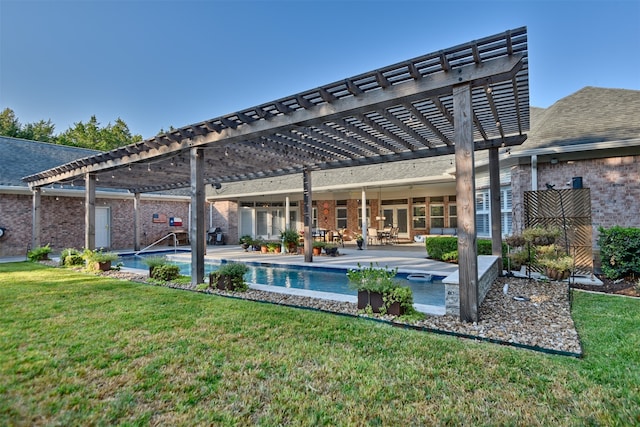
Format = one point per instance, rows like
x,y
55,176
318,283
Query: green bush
x,y
39,254
437,246
619,251
446,248
235,272
166,272
75,258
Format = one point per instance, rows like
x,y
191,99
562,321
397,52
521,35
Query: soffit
x,y
400,112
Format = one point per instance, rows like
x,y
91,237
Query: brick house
x,y
62,221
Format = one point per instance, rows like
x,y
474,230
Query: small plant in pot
x,y
290,238
229,277
359,241
557,264
317,247
331,249
39,254
98,260
379,292
246,241
154,261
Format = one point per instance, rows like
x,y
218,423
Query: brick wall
x,y
614,184
62,221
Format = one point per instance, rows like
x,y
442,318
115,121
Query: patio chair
x,y
372,234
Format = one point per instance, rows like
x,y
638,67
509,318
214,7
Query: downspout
x,y
534,172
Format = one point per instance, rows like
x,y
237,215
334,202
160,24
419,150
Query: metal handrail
x,y
175,244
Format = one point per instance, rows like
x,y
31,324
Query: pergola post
x,y
90,211
363,213
307,214
465,196
136,222
197,215
495,204
36,213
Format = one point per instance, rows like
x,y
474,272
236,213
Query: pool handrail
x,y
175,244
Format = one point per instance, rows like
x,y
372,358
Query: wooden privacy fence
x,y
570,211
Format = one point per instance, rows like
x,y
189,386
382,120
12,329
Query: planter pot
x,y
556,274
245,246
264,249
360,242
317,251
103,265
278,249
374,299
292,248
224,283
331,251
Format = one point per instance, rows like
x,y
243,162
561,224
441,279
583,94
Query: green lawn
x,y
77,349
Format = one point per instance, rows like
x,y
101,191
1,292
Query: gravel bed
x,y
542,321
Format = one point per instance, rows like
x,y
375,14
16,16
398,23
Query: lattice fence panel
x,y
568,210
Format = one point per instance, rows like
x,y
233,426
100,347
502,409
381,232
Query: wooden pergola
x,y
470,97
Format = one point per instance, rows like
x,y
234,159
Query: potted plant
x,y
359,241
556,262
39,254
229,277
290,238
98,260
317,247
379,292
154,261
245,242
273,247
331,249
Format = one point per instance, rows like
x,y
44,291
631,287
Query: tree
x,y
38,131
9,124
91,135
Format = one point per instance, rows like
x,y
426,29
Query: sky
x,y
157,64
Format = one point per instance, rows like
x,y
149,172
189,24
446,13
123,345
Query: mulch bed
x,y
628,286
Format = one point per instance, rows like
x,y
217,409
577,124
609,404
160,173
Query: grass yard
x,y
77,349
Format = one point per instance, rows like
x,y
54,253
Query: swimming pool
x,y
309,278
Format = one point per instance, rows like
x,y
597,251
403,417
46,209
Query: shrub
x,y
155,261
166,272
73,260
619,251
39,254
70,257
446,248
436,246
235,272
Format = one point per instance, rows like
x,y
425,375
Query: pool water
x,y
309,278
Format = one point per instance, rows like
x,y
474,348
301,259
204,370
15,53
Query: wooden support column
x,y
307,214
495,204
197,216
36,214
137,230
465,197
363,214
90,211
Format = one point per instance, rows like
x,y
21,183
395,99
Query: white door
x,y
103,227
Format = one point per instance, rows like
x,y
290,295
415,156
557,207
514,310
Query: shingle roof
x,y
21,157
589,115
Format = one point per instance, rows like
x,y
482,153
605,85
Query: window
x,y
483,212
360,217
453,215
341,218
436,215
419,216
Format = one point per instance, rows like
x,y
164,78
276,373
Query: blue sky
x,y
157,64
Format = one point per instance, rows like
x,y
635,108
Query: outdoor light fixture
x,y
554,161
